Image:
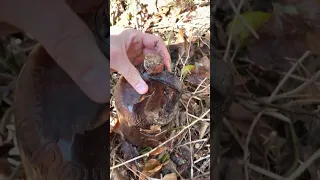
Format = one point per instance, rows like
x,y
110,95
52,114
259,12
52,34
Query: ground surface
x,y
184,26
272,128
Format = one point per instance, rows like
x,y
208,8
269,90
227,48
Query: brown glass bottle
x,y
61,133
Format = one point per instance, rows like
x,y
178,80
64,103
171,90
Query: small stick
x,y
265,172
286,77
304,166
148,153
246,146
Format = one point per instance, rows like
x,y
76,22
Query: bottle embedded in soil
x,y
143,119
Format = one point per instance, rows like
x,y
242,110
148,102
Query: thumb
x,y
132,75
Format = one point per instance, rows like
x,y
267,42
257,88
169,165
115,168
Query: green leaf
x,y
186,69
145,150
164,158
255,19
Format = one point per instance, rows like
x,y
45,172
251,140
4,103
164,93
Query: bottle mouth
x,y
153,63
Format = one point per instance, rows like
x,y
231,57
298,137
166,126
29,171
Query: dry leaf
x,y
151,164
200,71
151,167
144,174
171,176
153,129
156,169
203,128
286,36
158,151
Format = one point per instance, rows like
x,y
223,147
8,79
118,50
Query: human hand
x,y
127,49
66,38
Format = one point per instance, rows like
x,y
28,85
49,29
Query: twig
x,y
195,141
191,115
265,172
233,132
278,116
199,86
295,149
246,146
203,158
280,107
296,77
299,88
303,102
293,138
304,166
148,153
286,77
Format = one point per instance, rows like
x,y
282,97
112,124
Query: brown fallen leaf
x,y
171,176
203,128
285,38
151,167
200,71
144,174
158,151
151,164
153,129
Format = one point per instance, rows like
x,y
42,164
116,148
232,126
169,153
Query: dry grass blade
x,y
246,145
304,166
162,144
286,77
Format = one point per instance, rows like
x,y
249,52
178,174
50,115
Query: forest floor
x,y
185,28
271,130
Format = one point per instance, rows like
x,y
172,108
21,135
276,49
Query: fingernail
x,y
142,88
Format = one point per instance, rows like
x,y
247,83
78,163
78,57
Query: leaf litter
x,y
271,131
184,27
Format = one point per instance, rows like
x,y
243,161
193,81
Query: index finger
x,y
156,43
